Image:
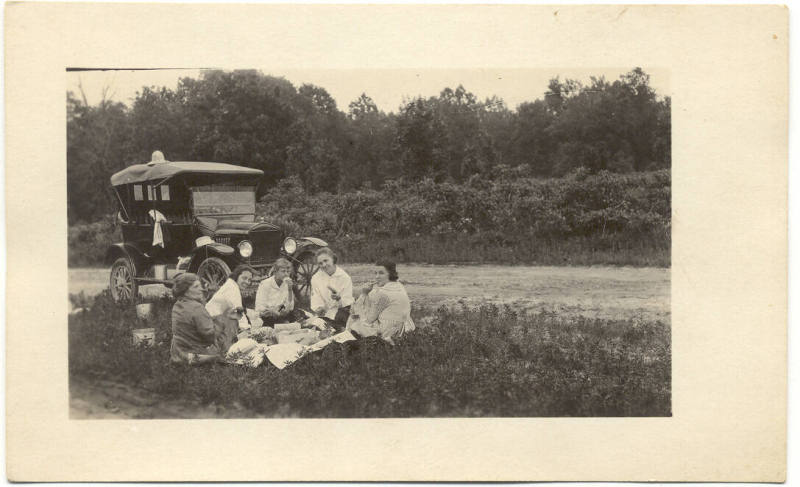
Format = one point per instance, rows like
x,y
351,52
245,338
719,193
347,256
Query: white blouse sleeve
x,y
261,297
347,292
316,298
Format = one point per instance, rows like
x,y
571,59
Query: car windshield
x,y
224,200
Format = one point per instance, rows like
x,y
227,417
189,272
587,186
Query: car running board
x,y
149,280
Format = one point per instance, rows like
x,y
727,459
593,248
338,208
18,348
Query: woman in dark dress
x,y
196,337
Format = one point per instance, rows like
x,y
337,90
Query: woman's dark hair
x,y
391,268
239,269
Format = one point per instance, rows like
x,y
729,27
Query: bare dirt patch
x,y
103,399
598,292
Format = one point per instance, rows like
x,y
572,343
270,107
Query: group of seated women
x,y
204,332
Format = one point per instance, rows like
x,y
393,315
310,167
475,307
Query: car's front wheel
x,y
305,268
122,282
212,273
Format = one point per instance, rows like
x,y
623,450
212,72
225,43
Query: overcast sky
x,y
387,87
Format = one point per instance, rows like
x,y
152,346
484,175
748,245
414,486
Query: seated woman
x,y
196,338
383,308
275,296
331,290
229,296
225,306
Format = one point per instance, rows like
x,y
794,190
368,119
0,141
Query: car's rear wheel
x,y
212,273
305,268
122,282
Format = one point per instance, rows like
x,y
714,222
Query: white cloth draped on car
x,y
158,234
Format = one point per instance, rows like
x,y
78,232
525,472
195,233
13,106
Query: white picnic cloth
x,y
342,337
285,354
304,337
246,352
250,353
295,326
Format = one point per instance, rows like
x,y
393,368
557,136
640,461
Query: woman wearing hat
x,y
383,308
196,338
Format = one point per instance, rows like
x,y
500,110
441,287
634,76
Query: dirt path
x,y
102,399
604,292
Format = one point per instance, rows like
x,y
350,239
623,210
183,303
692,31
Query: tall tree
x,y
368,158
242,117
532,145
248,118
95,138
606,125
419,140
362,108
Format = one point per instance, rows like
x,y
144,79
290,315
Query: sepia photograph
x,y
369,243
396,243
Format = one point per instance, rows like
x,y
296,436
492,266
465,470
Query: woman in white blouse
x,y
275,295
331,290
229,296
383,308
225,306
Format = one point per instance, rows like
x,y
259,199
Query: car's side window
x,y
137,192
164,192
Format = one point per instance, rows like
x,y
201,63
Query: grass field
x,y
467,361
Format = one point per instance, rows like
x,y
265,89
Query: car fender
x,y
224,252
140,261
314,240
307,244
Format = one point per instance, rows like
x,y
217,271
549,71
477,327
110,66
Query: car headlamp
x,y
245,248
289,245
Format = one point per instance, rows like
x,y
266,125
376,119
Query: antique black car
x,y
196,217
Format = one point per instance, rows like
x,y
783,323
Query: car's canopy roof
x,y
140,173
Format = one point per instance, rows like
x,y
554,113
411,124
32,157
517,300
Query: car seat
x,y
206,226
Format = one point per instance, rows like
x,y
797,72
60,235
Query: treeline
x,y
510,217
448,141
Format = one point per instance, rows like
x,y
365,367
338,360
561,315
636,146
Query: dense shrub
x,y
87,242
483,361
582,219
601,218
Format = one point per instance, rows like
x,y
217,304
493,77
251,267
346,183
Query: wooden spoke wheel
x,y
122,282
304,270
212,273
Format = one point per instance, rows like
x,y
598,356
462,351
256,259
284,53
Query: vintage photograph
x,y
369,243
402,243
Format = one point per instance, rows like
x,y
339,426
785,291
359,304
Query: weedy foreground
x,y
463,362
